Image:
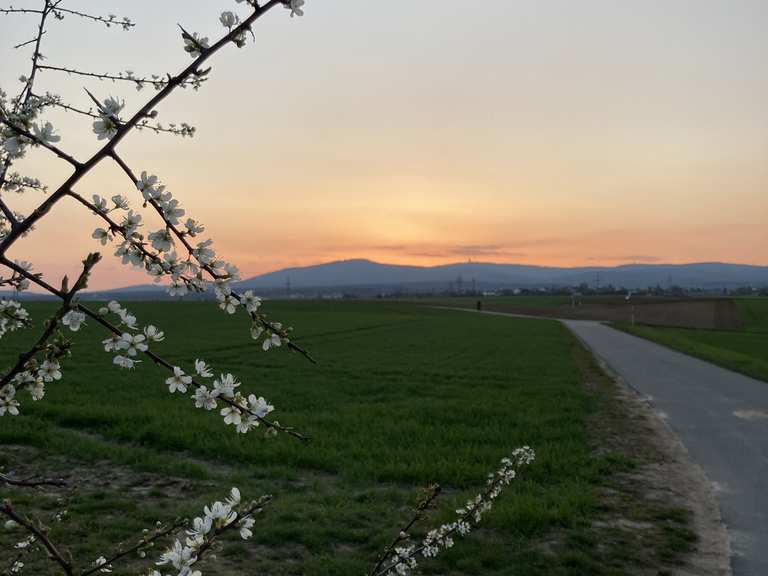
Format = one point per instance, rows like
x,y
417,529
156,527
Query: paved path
x,y
721,418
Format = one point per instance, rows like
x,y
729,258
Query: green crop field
x,y
501,303
754,312
402,396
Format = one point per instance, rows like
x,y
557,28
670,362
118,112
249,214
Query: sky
x,y
425,132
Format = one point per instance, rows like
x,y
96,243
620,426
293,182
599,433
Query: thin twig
x,y
141,126
108,21
40,534
143,80
143,543
403,534
27,43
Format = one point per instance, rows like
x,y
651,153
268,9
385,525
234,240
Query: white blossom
x,y
14,147
194,44
232,415
259,406
225,385
132,344
229,19
37,390
203,252
234,498
50,370
111,107
102,563
8,403
205,399
228,303
105,128
177,289
193,227
147,186
250,301
172,211
101,235
162,241
125,361
100,203
179,381
220,513
120,201
73,320
200,526
295,6
202,369
180,557
245,528
45,134
154,334
273,340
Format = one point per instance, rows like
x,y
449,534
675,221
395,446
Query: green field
x,y
501,303
754,312
402,396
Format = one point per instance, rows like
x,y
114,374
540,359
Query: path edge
x,y
713,546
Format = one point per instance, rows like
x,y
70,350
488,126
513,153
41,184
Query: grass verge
x,y
743,352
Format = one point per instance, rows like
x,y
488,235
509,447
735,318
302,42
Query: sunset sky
x,y
549,132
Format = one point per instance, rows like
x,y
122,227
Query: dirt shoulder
x,y
664,499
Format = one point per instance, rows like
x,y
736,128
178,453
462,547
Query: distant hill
x,y
367,277
358,273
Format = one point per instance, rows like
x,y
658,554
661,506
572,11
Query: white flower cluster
x,y
34,375
15,182
13,145
128,345
109,120
241,412
404,559
19,281
244,413
101,564
295,6
195,44
33,378
186,275
12,316
216,518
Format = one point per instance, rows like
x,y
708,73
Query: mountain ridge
x,y
361,273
